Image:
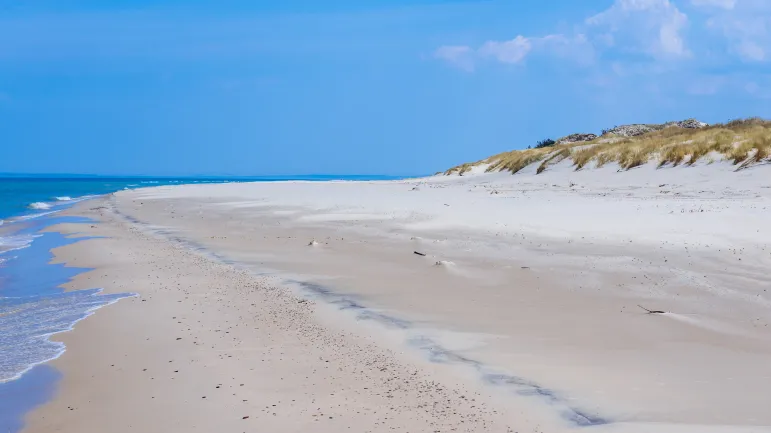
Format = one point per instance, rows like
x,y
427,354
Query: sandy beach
x,y
485,302
221,217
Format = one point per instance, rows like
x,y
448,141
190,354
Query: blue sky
x,y
353,86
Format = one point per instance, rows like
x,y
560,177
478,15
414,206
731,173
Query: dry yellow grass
x,y
517,160
554,158
513,161
743,142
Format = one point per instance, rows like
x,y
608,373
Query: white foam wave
x,y
15,242
65,201
29,322
39,205
33,216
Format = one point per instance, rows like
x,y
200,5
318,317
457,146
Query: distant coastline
x,y
240,178
24,194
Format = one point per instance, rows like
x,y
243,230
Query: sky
x,y
400,87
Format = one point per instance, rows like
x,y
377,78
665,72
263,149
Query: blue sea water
x,y
32,304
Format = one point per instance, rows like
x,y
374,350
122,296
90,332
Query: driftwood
x,y
651,311
418,253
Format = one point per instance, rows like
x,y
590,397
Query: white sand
x,y
535,296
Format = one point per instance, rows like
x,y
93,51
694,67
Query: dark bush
x,y
607,131
545,143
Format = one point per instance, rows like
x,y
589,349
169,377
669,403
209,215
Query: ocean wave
x,y
28,322
39,205
33,216
59,203
15,242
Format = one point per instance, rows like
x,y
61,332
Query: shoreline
x,y
34,309
538,353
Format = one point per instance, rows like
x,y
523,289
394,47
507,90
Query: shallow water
x,y
33,307
20,396
27,322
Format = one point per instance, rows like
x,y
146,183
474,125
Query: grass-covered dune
x,y
743,142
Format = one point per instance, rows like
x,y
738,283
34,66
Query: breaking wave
x,y
39,205
28,322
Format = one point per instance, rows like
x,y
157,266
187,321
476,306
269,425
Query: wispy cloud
x,y
458,55
513,51
649,27
678,48
724,4
576,48
746,26
653,27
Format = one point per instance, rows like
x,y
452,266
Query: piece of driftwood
x,y
419,253
651,311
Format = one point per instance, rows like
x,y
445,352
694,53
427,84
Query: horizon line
x,y
184,176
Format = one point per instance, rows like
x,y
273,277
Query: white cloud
x,y
747,31
653,27
725,4
513,51
458,55
644,43
751,50
577,48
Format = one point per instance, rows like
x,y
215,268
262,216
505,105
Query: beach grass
x,y
743,142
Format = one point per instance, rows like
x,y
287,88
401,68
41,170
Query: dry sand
x,y
521,316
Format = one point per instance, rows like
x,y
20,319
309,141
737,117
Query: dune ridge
x,y
742,142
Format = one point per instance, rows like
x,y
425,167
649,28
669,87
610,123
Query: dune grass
x,y
554,158
744,142
517,160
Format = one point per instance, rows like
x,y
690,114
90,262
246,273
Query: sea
x,y
33,306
